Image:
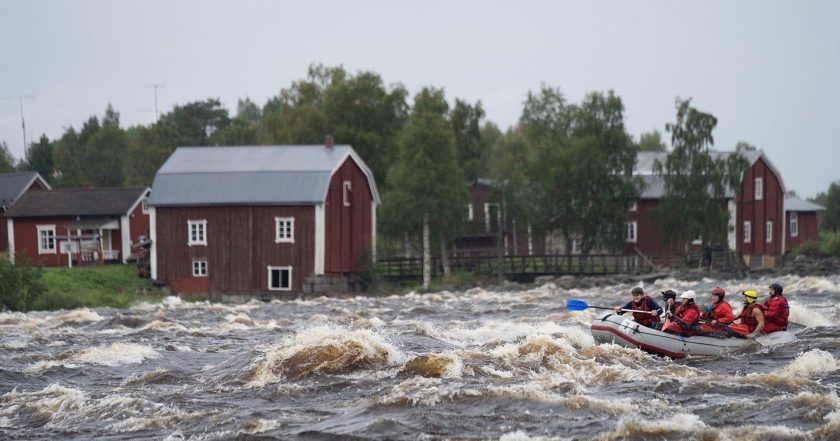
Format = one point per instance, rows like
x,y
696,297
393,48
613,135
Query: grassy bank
x,y
110,285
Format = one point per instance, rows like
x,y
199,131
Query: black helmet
x,y
670,294
637,290
776,288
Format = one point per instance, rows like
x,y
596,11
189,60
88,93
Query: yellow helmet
x,y
749,296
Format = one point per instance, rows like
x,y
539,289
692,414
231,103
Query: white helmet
x,y
688,295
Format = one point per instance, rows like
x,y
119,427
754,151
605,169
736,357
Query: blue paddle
x,y
580,305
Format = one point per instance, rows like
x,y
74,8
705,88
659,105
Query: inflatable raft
x,y
610,327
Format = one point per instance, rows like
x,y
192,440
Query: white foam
x,y
520,436
804,316
79,315
815,361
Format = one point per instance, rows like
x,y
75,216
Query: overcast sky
x,y
768,70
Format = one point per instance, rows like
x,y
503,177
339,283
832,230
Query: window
x,y
631,231
145,204
46,239
197,232
794,224
759,189
634,207
575,246
768,233
284,229
747,231
492,221
347,193
199,268
470,213
279,278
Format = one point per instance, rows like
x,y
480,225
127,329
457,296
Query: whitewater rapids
x,y
477,364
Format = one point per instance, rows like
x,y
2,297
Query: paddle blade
x,y
740,329
576,305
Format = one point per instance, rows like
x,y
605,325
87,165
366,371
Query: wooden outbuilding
x,y
261,219
801,221
12,187
77,226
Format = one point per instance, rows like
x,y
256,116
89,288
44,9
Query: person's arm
x,y
618,309
759,318
654,307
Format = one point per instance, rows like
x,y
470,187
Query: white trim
x,y
199,241
632,233
635,206
153,238
768,231
36,177
320,239
346,193
747,234
487,205
794,220
125,235
530,241
732,234
758,189
199,268
144,195
284,220
47,227
280,268
470,212
365,170
373,231
10,229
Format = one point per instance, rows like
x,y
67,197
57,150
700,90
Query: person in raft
x,y
648,311
752,315
776,310
669,297
684,320
717,315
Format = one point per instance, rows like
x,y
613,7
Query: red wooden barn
x,y
758,225
801,221
86,225
259,219
12,187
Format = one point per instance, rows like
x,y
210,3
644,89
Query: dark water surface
x,y
464,365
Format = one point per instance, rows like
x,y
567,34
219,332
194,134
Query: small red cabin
x,y
12,187
801,221
261,219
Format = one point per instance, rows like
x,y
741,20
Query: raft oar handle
x,y
580,305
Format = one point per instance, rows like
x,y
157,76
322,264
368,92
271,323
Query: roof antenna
x,y
328,142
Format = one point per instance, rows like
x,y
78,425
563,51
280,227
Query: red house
x,y
12,187
77,226
801,220
260,219
757,221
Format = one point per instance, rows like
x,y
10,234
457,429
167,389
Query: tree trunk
x,y
444,259
427,254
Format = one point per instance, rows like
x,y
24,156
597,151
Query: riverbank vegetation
x,y
24,287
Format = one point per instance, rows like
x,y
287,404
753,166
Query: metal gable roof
x,y
794,203
289,174
12,185
76,202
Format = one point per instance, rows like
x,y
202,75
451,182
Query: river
x,y
477,364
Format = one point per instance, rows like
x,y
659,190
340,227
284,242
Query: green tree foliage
x,y
831,215
466,125
426,189
200,123
244,128
20,285
696,180
356,109
39,158
651,142
7,161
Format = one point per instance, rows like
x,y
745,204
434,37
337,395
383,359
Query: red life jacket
x,y
646,319
722,312
689,316
747,317
776,314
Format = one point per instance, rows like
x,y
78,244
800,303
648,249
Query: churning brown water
x,y
510,365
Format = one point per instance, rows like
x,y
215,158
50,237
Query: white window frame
x,y
759,189
634,207
284,229
632,235
768,232
487,207
279,268
145,205
201,227
575,246
470,212
747,232
794,224
50,239
199,268
347,189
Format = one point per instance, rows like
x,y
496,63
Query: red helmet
x,y
718,291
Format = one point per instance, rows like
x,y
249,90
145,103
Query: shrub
x,y
807,249
20,285
830,243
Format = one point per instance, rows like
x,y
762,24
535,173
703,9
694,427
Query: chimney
x,y
328,142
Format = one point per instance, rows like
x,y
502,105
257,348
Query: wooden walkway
x,y
520,268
